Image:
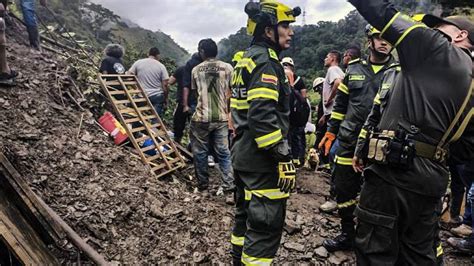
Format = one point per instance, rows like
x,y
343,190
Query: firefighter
x,y
353,103
427,112
264,174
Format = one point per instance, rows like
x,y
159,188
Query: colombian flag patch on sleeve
x,y
269,79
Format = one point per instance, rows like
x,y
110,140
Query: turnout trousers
x,y
396,226
259,218
347,186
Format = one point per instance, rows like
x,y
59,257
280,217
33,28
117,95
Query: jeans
x,y
467,174
158,101
205,136
29,12
297,142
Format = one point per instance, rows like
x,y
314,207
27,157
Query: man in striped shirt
x,y
210,80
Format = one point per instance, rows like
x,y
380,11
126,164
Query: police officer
x,y
430,98
263,171
353,103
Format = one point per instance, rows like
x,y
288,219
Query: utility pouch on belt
x,y
391,147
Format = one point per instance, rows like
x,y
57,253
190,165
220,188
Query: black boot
x,y
340,242
33,36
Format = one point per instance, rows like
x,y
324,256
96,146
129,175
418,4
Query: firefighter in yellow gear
x,y
264,174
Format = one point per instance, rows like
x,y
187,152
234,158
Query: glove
x,y
287,176
327,141
281,152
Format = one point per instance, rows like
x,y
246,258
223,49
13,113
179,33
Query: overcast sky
x,y
188,21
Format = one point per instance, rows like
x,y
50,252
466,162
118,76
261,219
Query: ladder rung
x,y
149,117
154,157
121,102
116,92
134,91
130,83
139,100
159,167
145,108
148,148
132,120
127,110
142,139
113,83
137,129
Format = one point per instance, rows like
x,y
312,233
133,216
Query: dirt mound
x,y
108,196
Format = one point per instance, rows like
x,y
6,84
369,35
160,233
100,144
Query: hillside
x,y
95,26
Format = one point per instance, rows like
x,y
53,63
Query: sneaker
x,y
210,161
328,207
462,231
462,245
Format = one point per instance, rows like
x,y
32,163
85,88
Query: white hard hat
x,y
288,60
318,81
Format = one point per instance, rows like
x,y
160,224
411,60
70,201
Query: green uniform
x,y
353,103
397,208
260,112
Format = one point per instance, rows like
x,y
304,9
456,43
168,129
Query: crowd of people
x,y
390,130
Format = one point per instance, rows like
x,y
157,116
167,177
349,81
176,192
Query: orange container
x,y
113,127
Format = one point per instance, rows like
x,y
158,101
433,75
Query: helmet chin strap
x,y
377,53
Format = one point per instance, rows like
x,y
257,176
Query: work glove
x,y
327,141
287,176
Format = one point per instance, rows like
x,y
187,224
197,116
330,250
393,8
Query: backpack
x,y
299,109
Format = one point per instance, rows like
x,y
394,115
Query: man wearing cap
x,y
426,114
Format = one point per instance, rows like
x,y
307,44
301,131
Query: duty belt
x,y
429,151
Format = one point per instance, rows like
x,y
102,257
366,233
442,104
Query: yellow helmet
x,y
238,56
268,13
418,17
371,31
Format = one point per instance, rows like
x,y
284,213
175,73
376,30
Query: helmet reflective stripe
x,y
371,31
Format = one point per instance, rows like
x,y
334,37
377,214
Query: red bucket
x,y
113,127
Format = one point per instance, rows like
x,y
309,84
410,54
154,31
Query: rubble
x,y
106,194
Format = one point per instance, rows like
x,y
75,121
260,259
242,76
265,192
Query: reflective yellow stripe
x,y
247,63
377,99
248,195
269,139
346,204
249,260
389,23
338,116
408,31
439,250
272,194
237,240
363,133
264,93
343,88
239,104
343,160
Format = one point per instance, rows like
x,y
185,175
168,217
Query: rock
x,y
30,120
87,137
292,227
338,258
321,252
198,257
294,246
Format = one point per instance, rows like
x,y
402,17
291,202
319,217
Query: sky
x,y
188,21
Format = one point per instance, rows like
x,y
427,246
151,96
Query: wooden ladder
x,y
142,122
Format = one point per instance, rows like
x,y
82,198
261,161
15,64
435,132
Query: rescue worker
x,y
264,173
431,96
353,104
